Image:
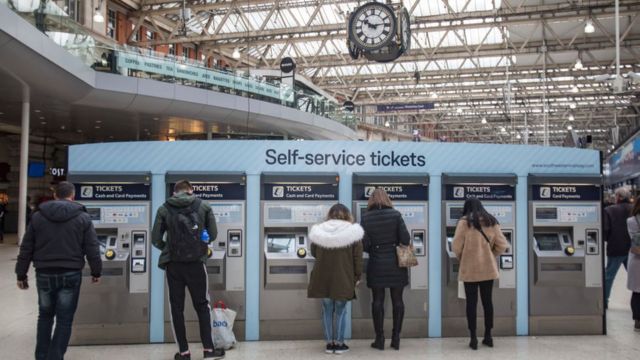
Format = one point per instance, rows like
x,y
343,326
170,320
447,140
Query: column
x,y
435,256
345,197
522,257
156,298
253,252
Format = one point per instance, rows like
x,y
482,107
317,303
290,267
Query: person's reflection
x,y
40,16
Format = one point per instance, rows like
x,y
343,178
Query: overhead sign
x,y
112,191
217,191
287,65
349,106
404,107
297,191
565,192
415,192
480,192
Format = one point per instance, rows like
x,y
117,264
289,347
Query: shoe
x,y
330,348
395,342
473,343
488,342
637,326
378,343
215,354
179,356
340,349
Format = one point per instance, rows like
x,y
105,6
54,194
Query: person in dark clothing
x,y
384,229
59,237
617,238
189,274
3,215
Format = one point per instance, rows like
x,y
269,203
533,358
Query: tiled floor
x,y
18,319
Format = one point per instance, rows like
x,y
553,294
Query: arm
x,y
357,260
159,228
366,241
403,234
25,256
500,243
458,238
212,228
91,250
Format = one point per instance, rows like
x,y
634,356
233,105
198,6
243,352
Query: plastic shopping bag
x,y
223,318
461,293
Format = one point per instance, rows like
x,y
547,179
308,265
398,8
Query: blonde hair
x,y
378,199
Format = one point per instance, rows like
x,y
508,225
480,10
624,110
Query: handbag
x,y
406,256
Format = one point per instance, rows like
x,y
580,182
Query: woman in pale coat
x,y
477,241
633,265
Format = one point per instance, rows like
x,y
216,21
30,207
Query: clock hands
x,y
371,25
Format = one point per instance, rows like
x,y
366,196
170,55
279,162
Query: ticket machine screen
x,y
455,213
550,213
548,242
281,243
94,213
102,240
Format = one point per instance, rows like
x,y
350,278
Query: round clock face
x,y
372,26
406,30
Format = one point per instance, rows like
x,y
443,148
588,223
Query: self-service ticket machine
x,y
117,310
565,255
497,193
226,193
290,205
409,194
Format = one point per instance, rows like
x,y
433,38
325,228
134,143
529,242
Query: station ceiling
x,y
474,59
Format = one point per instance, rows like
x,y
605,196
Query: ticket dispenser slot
x,y
418,242
234,243
506,260
593,242
139,252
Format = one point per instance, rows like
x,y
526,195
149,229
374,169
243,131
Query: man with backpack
x,y
190,226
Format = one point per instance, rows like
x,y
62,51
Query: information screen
x,y
548,242
281,243
455,213
550,213
94,213
280,213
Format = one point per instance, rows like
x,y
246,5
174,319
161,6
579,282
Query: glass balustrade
x,y
103,54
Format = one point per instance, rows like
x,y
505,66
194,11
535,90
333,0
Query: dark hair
x,y
64,190
340,212
182,186
477,216
379,199
636,208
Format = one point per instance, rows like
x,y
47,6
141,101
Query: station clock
x,y
372,26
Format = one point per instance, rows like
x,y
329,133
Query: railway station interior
x,y
276,110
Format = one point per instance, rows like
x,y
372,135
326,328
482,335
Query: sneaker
x,y
637,327
330,348
215,354
179,356
341,349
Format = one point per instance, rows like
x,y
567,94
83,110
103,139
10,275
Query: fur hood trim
x,y
335,234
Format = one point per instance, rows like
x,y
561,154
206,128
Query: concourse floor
x,y
18,314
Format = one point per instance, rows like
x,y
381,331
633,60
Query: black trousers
x,y
471,292
635,305
193,276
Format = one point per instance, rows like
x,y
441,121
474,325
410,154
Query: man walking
x,y
190,226
617,237
57,240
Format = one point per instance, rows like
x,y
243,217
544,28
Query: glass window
x,y
185,52
149,35
172,49
111,23
135,35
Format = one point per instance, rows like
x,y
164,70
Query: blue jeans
x,y
613,264
57,298
330,306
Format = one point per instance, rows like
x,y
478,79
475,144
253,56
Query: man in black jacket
x,y
617,237
59,237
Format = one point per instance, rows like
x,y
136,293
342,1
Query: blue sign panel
x,y
406,192
297,191
480,192
565,192
404,107
217,191
112,191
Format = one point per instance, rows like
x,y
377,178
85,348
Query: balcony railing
x,y
104,54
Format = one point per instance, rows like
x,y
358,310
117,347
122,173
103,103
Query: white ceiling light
x,y
571,117
572,105
97,17
387,124
459,110
569,127
574,89
588,27
502,129
236,53
434,95
518,136
484,120
578,65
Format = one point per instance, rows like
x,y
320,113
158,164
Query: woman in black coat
x,y
384,229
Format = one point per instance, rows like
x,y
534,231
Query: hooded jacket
x,y
337,248
614,229
59,237
206,220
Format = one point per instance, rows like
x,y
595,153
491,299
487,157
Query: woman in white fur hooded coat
x,y
337,247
